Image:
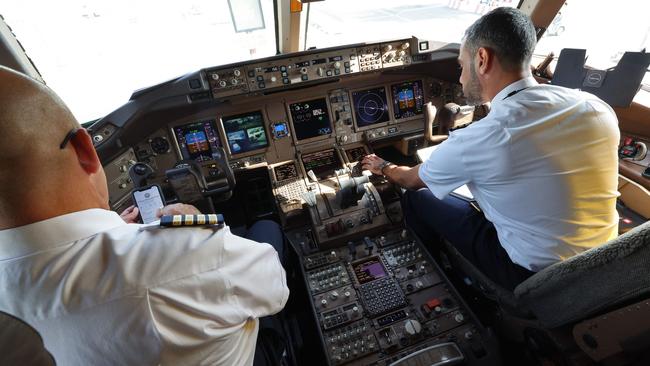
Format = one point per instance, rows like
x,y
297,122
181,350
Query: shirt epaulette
x,y
191,220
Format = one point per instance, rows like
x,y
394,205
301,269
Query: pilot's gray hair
x,y
508,32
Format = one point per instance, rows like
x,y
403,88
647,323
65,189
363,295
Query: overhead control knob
x,y
406,45
388,48
303,70
334,295
412,327
236,72
215,76
337,65
401,54
222,83
234,81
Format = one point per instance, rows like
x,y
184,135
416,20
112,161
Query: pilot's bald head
x,y
36,175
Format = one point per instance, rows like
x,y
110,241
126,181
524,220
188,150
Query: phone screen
x,y
148,200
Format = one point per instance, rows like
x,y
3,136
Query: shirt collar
x,y
517,85
56,231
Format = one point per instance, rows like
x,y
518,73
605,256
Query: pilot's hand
x,y
178,209
130,215
372,163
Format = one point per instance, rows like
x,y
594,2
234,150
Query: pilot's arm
x,y
404,176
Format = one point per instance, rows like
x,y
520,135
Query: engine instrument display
x,y
323,163
310,118
245,132
407,99
368,270
197,141
286,171
370,106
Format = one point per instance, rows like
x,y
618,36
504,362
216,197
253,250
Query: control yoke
x,y
449,117
190,185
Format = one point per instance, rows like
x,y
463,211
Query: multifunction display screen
x,y
370,106
323,163
407,99
197,141
369,270
286,171
245,132
310,119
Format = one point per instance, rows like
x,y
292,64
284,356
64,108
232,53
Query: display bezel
x,y
291,124
354,112
417,116
177,145
224,134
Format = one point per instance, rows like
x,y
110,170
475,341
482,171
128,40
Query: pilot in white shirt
x,y
103,292
542,164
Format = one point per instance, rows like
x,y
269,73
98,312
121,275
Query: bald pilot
x,y
98,290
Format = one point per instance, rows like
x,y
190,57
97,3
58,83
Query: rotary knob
x,y
337,65
303,70
401,54
234,81
334,295
215,76
412,327
405,45
388,48
236,72
222,83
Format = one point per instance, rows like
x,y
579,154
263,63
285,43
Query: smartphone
x,y
148,200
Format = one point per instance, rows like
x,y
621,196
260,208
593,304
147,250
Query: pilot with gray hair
x,y
542,165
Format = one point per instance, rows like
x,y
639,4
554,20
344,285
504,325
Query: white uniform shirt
x,y
542,165
102,292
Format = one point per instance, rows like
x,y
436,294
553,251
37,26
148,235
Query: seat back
x,y
591,282
20,344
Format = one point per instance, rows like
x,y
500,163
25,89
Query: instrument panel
x,y
283,108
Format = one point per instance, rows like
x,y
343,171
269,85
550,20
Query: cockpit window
x,y
335,22
605,29
94,53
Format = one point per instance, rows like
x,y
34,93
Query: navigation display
x,y
370,106
245,132
407,99
369,270
197,141
310,119
323,163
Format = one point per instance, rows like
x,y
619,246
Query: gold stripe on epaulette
x,y
212,219
177,220
200,219
189,219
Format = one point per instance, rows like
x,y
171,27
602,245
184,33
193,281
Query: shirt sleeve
x,y
222,284
445,170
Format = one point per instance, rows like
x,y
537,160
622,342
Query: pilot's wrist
x,y
385,164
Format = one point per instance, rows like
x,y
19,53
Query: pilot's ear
x,y
86,154
484,59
